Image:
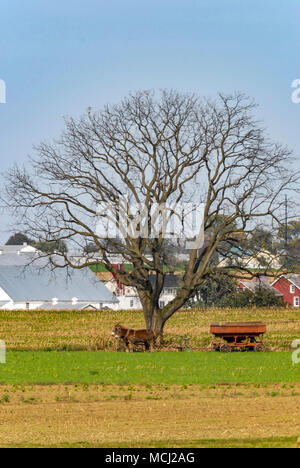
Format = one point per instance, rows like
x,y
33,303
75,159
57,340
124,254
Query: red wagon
x,y
241,336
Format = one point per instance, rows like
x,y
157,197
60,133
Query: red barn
x,y
289,286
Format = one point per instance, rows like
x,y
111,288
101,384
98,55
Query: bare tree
x,y
154,150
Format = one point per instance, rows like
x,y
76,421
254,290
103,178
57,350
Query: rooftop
x,y
253,285
171,280
32,284
294,278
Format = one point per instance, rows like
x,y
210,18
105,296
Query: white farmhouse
x,y
128,297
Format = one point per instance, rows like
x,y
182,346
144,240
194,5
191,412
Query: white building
x,y
17,249
33,287
248,259
128,297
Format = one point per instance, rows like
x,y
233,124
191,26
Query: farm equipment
x,y
242,336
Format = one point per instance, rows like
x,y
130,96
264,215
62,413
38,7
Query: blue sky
x,y
60,57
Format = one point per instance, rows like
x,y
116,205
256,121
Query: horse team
x,y
134,337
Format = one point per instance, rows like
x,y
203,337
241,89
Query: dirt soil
x,y
108,415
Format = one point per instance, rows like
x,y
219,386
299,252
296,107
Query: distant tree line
x,y
222,291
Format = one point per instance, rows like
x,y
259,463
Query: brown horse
x,y
132,337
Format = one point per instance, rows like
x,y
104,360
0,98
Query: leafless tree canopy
x,y
154,149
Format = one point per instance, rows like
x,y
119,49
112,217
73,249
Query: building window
x,y
296,302
162,304
292,289
131,302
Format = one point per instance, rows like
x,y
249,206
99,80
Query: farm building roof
x,y
253,285
170,281
22,258
293,278
32,284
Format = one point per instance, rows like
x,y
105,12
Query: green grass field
x,y
148,368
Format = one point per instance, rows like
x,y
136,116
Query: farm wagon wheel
x,y
260,348
225,348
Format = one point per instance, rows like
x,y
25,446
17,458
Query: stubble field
x,y
91,331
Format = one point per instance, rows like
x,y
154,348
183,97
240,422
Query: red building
x,y
289,286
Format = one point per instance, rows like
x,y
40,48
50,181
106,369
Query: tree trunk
x,y
158,326
155,318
